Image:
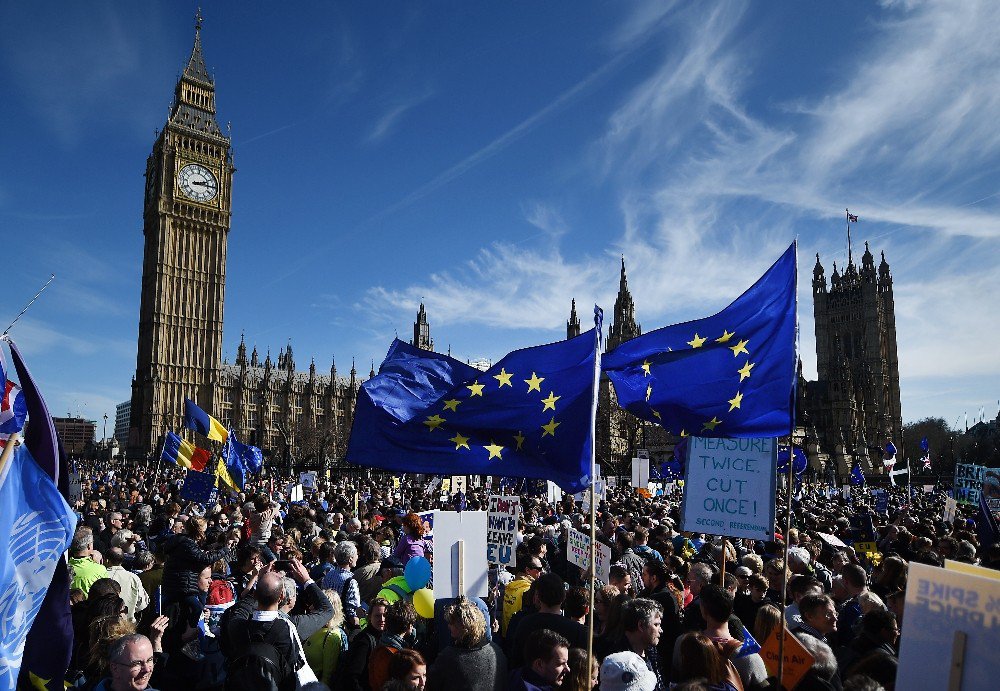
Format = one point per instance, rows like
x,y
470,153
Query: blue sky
x,y
497,159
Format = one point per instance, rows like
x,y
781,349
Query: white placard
x,y
75,487
457,484
578,549
295,493
501,530
603,563
939,603
308,480
640,473
553,493
729,487
950,507
451,527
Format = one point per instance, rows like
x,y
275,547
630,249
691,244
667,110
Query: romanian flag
x,y
184,454
197,419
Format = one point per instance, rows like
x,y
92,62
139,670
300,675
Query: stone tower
x,y
573,324
422,331
855,404
624,328
186,217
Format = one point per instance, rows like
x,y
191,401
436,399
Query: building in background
x,y
122,416
76,434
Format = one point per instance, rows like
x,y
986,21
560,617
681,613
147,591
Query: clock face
x,y
198,183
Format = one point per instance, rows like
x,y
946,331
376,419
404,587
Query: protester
x,y
472,662
546,663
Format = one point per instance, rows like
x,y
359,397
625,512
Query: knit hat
x,y
626,671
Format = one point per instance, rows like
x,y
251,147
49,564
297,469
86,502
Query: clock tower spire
x,y
186,219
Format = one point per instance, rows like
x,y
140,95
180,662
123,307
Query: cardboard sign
x,y
578,549
308,480
470,574
797,660
501,530
939,604
457,483
972,569
729,487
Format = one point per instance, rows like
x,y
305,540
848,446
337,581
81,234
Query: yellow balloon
x,y
423,602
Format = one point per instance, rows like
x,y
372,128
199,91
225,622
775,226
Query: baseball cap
x,y
626,671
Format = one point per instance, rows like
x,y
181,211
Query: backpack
x,y
259,665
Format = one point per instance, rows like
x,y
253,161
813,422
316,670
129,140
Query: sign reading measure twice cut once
x,y
729,487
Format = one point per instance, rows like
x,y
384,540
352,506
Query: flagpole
x,y
791,466
8,449
598,323
30,303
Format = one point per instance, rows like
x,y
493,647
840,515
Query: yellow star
x,y
503,378
433,421
550,429
494,449
745,370
684,433
735,401
697,341
711,424
550,402
649,391
460,441
535,383
657,415
724,337
452,404
740,347
519,438
476,388
645,368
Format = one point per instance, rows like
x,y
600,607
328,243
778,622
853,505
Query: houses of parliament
x,y
306,415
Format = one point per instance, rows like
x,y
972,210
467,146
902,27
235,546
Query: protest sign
x,y
950,507
603,555
578,549
75,487
612,482
446,485
968,481
395,483
427,518
470,574
308,480
866,548
928,489
457,483
501,530
797,659
972,569
881,501
831,540
553,493
991,488
640,472
846,492
295,493
729,487
939,604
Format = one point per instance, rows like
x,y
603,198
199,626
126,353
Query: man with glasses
x,y
131,660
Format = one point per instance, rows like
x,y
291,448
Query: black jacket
x,y
352,672
185,560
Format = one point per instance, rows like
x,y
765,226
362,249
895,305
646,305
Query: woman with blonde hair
x,y
579,678
104,631
472,662
324,647
768,619
602,603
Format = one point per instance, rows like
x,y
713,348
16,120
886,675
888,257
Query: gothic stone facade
x,y
853,408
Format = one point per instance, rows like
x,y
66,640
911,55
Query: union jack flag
x,y
13,409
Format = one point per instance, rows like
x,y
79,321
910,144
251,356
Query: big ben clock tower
x,y
186,217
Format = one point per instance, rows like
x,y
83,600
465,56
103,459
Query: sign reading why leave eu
x,y
729,487
501,530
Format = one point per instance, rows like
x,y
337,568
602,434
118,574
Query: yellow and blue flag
x,y
729,375
197,419
530,415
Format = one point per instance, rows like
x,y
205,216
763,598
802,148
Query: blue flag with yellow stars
x,y
527,416
729,375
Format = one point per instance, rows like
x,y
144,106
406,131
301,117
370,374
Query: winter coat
x,y
185,560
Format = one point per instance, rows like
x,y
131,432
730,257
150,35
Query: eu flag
x,y
857,475
527,416
728,375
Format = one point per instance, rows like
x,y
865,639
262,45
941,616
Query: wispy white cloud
x,y
385,124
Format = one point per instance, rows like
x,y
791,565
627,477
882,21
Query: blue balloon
x,y
417,573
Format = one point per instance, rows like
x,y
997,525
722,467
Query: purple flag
x,y
49,644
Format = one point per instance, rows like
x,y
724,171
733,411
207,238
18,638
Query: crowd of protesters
x,y
255,591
